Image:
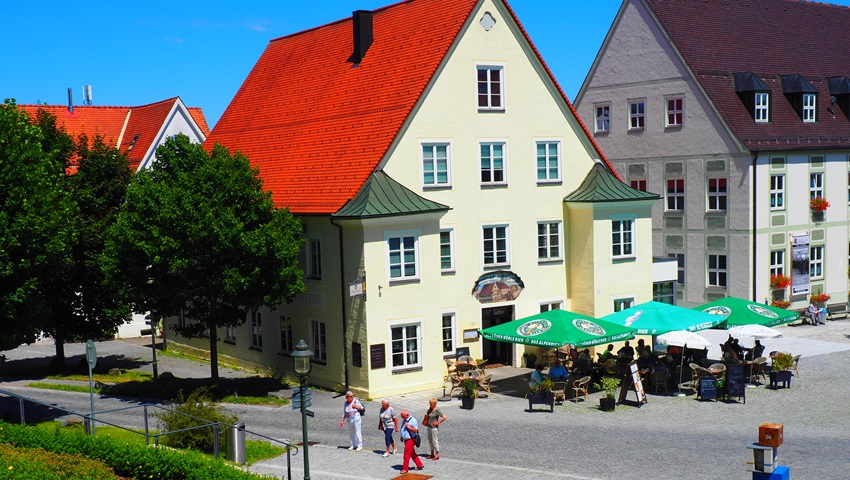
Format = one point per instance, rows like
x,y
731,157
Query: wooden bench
x,y
834,310
805,317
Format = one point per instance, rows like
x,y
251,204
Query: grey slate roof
x,y
381,196
600,185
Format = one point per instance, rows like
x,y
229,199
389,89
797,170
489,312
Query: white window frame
x,y
815,185
255,330
549,304
602,116
403,342
717,200
676,195
495,250
286,337
433,145
487,84
230,334
816,255
622,302
809,107
777,262
620,228
319,340
717,275
314,258
777,191
547,241
637,114
448,333
762,107
450,231
680,267
551,174
492,170
676,114
402,235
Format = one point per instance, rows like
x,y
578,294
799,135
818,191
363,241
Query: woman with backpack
x,y
351,413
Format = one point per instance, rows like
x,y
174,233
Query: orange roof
x,y
317,125
109,122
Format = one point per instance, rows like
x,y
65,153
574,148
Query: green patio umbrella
x,y
555,328
738,311
656,318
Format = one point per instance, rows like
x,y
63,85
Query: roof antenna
x,y
70,101
87,95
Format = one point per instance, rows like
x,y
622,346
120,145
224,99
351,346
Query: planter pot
x,y
542,399
607,404
467,403
780,377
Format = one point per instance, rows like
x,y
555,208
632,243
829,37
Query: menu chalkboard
x,y
376,356
735,381
707,388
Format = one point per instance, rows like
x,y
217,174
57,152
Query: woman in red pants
x,y
408,432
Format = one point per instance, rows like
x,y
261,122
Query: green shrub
x,y
39,464
200,405
126,459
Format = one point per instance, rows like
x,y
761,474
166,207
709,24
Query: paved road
x,y
669,437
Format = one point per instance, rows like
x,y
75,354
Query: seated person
x,y
536,377
816,314
730,356
610,368
738,349
645,360
607,353
558,372
640,348
626,352
758,349
582,364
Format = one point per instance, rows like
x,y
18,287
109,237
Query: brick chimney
x,y
362,23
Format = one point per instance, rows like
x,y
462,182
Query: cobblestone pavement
x,y
669,437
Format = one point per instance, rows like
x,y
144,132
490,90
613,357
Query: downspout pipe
x,y
755,215
342,298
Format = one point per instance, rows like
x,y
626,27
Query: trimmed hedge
x,y
126,459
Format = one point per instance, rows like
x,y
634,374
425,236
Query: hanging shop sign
x,y
495,287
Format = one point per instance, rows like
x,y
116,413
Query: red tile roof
x,y
316,125
109,122
769,38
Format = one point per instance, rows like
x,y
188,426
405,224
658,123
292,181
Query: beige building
x,y
445,184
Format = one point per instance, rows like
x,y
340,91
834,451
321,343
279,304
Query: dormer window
x,y
802,95
762,107
839,93
755,94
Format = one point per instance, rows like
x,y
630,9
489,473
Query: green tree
x,y
34,223
79,303
198,233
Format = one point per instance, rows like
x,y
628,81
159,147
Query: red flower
x,y
819,297
780,303
779,281
819,204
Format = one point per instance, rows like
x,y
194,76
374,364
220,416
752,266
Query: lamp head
x,y
302,358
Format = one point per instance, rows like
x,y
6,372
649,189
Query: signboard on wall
x,y
494,287
799,264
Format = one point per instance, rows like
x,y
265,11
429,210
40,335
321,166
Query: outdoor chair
x,y
718,370
455,384
559,390
694,375
464,367
795,360
580,387
450,365
659,379
758,367
484,385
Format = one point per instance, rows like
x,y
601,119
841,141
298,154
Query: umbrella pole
x,y
681,367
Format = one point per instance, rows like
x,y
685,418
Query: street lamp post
x,y
303,359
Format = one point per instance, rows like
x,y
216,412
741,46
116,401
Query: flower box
x,y
781,303
818,204
779,281
819,297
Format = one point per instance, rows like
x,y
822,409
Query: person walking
x,y
408,431
433,418
351,413
387,421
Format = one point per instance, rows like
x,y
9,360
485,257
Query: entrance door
x,y
497,352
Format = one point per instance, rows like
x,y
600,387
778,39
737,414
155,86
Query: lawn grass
x,y
124,376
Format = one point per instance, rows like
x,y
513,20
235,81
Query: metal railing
x,y
88,418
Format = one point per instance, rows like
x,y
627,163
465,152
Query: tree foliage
x,y
35,233
198,234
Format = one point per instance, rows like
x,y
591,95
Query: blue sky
x,y
134,53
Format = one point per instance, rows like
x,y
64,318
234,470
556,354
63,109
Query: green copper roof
x,y
381,196
600,185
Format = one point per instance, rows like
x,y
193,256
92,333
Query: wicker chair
x,y
484,385
559,390
580,388
795,360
